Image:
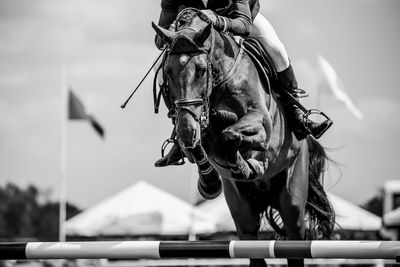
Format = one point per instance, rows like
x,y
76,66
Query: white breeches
x,y
264,32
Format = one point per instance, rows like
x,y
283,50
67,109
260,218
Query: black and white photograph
x,y
199,133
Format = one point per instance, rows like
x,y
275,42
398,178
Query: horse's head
x,y
187,71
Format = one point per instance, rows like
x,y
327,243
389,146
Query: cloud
x,y
12,79
381,113
379,123
103,21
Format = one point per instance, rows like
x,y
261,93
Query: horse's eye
x,y
201,72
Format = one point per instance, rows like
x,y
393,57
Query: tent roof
x,y
141,209
348,215
352,217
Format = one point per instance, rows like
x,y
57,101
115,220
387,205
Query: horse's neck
x,y
225,53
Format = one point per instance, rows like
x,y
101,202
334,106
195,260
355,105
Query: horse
x,y
231,124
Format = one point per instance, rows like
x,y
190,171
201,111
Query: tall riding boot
x,y
301,126
175,155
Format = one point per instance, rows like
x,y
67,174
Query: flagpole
x,y
63,152
192,233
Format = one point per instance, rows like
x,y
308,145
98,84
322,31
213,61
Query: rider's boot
x,y
175,155
300,124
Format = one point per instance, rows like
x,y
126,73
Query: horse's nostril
x,y
188,130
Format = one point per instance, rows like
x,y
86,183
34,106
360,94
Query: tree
x,y
48,225
17,209
22,215
375,204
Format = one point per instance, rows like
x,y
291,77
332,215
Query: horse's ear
x,y
203,35
163,33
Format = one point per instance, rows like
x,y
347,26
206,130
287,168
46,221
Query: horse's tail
x,y
320,211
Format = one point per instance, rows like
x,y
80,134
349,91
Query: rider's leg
x,y
266,35
264,32
175,154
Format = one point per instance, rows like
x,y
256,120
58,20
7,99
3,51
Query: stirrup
x,y
301,93
307,119
165,145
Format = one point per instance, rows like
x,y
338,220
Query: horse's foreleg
x,y
250,132
293,199
209,184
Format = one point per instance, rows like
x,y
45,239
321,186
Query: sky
x,y
107,47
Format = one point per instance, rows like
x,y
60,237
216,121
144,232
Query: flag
x,y
330,80
76,111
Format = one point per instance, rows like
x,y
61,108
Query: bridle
x,y
189,104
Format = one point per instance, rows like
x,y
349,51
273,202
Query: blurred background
x,y
345,54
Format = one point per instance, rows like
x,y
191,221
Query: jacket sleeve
x,y
169,11
239,20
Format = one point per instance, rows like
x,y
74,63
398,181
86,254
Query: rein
x,y
233,68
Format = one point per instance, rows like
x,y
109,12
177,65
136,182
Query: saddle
x,y
266,70
262,61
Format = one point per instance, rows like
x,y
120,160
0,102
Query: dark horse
x,y
231,125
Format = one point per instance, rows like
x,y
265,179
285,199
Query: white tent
x,y
220,211
351,217
348,215
141,209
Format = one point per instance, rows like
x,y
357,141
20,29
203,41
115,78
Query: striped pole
x,y
201,249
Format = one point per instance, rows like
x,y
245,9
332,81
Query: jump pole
x,y
124,250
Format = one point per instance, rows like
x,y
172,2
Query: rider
x,y
242,17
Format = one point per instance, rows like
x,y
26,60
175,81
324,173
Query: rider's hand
x,y
217,21
211,15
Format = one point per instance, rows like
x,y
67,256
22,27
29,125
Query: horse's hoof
x,y
211,190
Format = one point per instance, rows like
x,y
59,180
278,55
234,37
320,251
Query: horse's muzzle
x,y
188,128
